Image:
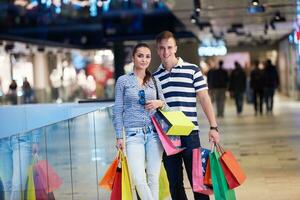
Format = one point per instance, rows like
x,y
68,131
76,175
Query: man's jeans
x,y
144,152
15,156
239,101
269,96
174,168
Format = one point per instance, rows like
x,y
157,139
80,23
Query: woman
x,y
135,101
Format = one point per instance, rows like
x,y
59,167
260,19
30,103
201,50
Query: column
x,y
41,77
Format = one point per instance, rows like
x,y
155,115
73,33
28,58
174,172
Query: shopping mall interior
x,y
60,60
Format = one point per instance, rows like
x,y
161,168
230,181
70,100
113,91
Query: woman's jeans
x,y
144,152
15,156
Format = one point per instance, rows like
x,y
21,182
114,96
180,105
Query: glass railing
x,y
77,150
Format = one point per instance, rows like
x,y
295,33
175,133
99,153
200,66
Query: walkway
x,y
267,148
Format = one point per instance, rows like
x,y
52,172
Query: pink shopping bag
x,y
197,174
46,176
169,147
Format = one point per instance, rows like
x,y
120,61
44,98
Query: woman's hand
x,y
119,144
35,148
154,104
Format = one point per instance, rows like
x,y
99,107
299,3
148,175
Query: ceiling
x,y
248,29
71,23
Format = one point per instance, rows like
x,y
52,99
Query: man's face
x,y
166,49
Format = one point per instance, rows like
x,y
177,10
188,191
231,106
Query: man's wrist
x,y
214,128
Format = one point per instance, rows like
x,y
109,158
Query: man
x,y
182,83
237,86
218,82
271,83
257,86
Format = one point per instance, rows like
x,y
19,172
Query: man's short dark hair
x,y
164,35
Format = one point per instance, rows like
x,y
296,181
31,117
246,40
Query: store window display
x,y
1,92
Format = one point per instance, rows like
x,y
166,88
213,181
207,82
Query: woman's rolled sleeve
x,y
118,109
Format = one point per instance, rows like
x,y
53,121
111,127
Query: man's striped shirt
x,y
180,86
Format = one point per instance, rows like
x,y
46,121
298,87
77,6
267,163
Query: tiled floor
x,y
267,147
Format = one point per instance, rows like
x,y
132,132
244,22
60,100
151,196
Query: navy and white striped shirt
x,y
180,86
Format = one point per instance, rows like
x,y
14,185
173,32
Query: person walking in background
x,y
257,86
211,81
27,91
271,82
181,84
220,85
135,102
12,92
237,86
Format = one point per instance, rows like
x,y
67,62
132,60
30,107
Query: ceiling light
x,y
278,17
255,2
193,19
197,5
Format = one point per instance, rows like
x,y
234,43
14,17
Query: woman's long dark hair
x,y
148,73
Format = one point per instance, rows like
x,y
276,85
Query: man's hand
x,y
213,136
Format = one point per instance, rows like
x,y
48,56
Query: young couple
x,y
179,85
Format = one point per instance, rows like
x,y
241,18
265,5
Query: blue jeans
x,y
239,101
269,96
144,152
15,156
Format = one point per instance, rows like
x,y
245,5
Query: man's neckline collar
x,y
179,64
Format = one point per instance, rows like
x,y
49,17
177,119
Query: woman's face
x,y
142,58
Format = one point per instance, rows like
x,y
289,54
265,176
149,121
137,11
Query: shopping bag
x,y
204,159
197,173
40,191
176,141
164,189
30,191
234,174
126,183
207,177
46,176
169,147
174,122
116,193
108,179
220,187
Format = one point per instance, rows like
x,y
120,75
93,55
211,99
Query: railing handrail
x,y
70,117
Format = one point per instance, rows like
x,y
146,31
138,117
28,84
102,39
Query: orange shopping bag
x,y
207,177
197,174
234,174
108,179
